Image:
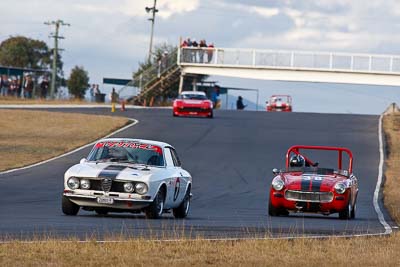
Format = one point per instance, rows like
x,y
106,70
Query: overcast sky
x,y
109,37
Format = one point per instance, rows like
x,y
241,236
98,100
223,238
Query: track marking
x,y
134,122
381,217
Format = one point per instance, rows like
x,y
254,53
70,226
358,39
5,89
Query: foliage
x,y
78,82
23,52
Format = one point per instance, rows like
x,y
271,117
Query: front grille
x,y
192,109
97,185
106,184
319,197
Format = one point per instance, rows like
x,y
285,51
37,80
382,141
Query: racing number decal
x,y
177,188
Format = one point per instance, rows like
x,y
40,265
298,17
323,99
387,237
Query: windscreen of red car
x,y
193,97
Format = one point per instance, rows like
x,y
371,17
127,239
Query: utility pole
x,y
55,35
153,10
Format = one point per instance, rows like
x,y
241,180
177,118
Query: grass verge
x,y
391,125
27,137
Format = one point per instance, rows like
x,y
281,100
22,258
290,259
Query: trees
x,y
23,52
78,82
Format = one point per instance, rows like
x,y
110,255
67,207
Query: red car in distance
x,y
305,187
280,103
193,103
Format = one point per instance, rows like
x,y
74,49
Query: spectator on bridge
x,y
195,45
202,46
210,52
239,103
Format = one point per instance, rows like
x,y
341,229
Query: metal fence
x,y
279,59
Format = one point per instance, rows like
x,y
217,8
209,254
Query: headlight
x,y
340,188
85,184
73,183
141,188
128,187
278,184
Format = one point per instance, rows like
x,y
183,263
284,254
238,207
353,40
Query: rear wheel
x,y
69,207
183,209
211,115
155,209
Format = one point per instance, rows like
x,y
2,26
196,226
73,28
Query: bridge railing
x,y
281,59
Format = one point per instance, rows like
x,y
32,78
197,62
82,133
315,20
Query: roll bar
x,y
296,150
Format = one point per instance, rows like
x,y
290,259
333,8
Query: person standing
x,y
44,87
28,87
239,103
4,85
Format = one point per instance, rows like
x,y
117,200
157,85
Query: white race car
x,y
128,175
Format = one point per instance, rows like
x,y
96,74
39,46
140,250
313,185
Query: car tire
x,y
155,209
183,209
101,211
272,211
211,115
69,207
346,213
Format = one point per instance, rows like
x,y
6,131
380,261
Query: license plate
x,y
105,200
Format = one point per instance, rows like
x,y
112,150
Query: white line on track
x,y
381,217
134,122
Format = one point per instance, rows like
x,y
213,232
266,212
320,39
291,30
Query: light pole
x,y
153,10
55,35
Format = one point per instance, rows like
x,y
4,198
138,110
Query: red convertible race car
x,y
305,187
280,103
193,103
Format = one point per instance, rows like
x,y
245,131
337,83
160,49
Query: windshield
x,y
127,152
193,96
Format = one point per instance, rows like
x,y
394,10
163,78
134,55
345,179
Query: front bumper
x,y
122,201
336,204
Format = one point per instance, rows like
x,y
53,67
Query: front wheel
x,y
346,214
183,209
155,209
69,207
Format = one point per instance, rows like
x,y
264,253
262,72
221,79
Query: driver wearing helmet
x,y
297,161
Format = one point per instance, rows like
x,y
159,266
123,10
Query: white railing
x,y
299,60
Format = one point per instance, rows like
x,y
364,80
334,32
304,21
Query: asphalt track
x,y
230,158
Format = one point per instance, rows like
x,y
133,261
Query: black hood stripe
x,y
305,184
111,171
316,185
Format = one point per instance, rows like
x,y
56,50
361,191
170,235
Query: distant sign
x,y
116,81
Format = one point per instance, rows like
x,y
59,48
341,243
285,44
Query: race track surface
x,y
230,158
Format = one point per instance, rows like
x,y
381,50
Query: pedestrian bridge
x,y
300,66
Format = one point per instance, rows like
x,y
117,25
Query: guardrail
x,y
281,59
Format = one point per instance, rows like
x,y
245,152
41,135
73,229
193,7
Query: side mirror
x,y
275,171
83,160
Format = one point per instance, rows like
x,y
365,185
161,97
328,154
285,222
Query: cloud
x,y
136,8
